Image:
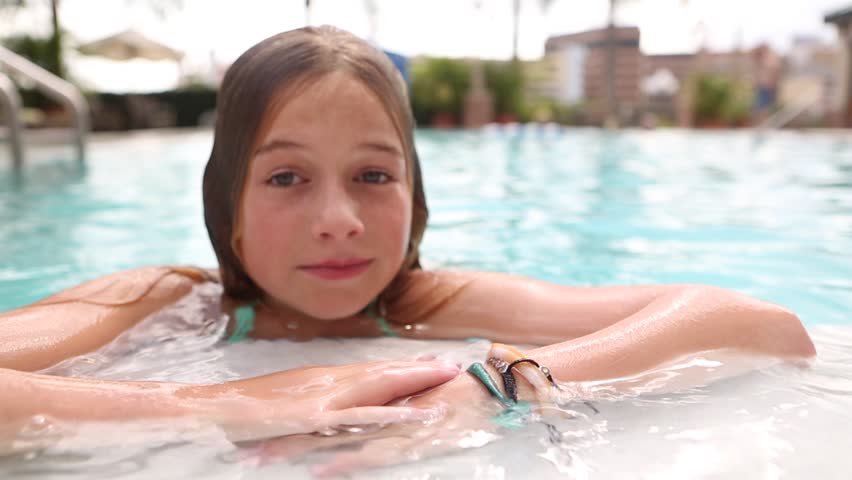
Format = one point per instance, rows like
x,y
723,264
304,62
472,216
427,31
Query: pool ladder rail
x,y
58,89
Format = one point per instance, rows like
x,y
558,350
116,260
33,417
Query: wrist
x,y
468,381
239,415
524,391
520,370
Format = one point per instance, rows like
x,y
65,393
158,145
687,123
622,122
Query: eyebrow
x,y
280,143
381,147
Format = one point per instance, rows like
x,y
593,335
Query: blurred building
x,y
580,67
810,80
558,75
841,103
805,87
574,71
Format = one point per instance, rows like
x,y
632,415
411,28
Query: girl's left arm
x,y
592,333
606,332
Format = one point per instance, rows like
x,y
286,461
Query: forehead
x,y
337,104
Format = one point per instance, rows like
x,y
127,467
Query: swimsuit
x,y
244,316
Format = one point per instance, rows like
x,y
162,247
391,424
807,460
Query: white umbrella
x,y
661,82
128,45
127,62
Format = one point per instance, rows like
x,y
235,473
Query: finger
x,y
378,453
380,384
293,447
356,425
360,417
400,444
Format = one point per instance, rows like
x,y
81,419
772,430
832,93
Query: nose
x,y
336,215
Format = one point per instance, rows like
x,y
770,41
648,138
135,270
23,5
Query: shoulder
x,y
128,286
416,296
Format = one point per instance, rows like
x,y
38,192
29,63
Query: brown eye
x,y
285,179
374,176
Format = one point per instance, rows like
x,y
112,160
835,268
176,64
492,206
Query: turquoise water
x,y
768,216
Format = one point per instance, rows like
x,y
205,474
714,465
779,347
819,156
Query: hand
x,y
464,421
318,399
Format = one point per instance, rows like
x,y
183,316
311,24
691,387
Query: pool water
x,y
769,215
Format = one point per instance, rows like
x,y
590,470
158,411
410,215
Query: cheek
x,y
394,219
263,226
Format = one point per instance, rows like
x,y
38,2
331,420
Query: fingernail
x,y
322,470
450,365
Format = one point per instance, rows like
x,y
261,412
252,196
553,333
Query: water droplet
x,y
39,426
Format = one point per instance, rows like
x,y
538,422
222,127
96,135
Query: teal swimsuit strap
x,y
372,311
244,316
244,322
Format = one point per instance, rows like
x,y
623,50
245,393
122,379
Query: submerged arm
x,y
301,400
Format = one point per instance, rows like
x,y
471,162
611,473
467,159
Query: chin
x,y
328,311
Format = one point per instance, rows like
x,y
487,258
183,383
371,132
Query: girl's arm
x,y
295,401
86,317
606,332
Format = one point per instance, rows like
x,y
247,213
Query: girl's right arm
x,y
261,407
83,318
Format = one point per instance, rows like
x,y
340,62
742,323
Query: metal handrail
x,y
789,113
58,89
11,103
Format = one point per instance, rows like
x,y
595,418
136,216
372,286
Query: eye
x,y
285,179
373,176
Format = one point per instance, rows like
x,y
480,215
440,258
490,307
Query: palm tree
x,y
54,50
544,5
611,99
160,8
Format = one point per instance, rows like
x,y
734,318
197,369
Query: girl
x,y
314,204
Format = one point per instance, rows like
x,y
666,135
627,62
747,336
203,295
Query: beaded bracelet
x,y
538,376
505,358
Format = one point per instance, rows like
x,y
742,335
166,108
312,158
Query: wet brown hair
x,y
255,87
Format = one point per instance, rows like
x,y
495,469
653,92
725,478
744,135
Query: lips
x,y
338,269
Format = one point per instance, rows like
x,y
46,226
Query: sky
x,y
220,30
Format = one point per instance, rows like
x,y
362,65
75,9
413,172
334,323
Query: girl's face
x,y
326,208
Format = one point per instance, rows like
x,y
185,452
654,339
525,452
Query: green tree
x,y
720,100
505,80
438,85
